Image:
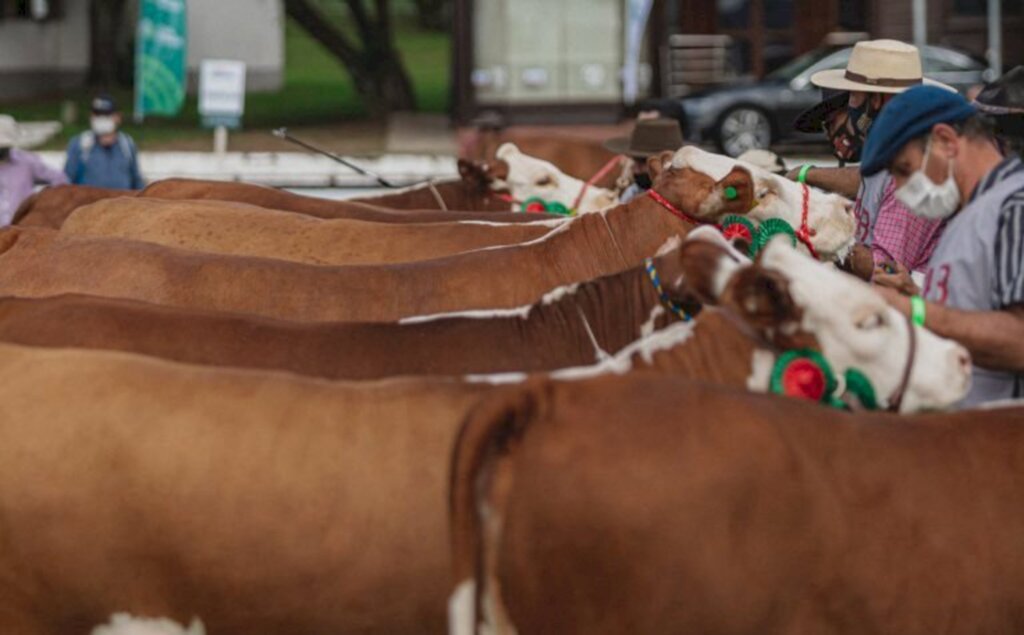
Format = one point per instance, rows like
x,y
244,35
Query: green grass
x,y
317,90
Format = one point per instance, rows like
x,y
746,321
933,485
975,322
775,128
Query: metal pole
x,y
282,133
995,37
920,9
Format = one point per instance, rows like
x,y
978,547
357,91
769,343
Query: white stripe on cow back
x,y
522,312
618,364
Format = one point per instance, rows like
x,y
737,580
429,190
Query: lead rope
x,y
676,309
896,401
437,195
594,179
804,233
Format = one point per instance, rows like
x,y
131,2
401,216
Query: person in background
x,y
877,71
20,171
650,138
946,163
103,156
1003,101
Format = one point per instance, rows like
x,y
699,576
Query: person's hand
x,y
893,275
794,174
860,262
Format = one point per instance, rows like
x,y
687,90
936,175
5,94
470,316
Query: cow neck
x,y
717,352
640,227
617,310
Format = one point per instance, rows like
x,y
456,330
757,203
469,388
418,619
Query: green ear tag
x,y
730,193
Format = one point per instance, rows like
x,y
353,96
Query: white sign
x,y
222,88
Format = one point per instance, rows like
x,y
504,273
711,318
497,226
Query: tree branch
x,y
367,31
324,32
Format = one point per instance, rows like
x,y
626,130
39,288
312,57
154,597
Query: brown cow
x,y
41,263
264,503
344,513
179,189
471,191
661,505
579,156
554,333
50,206
246,230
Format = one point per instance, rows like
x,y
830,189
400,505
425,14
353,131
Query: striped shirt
x,y
1009,242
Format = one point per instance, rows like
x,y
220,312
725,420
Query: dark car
x,y
752,114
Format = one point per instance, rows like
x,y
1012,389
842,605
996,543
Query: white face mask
x,y
927,199
103,125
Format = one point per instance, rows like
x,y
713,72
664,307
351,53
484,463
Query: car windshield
x,y
799,65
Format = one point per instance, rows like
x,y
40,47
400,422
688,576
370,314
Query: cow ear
x,y
762,298
734,194
695,271
470,170
658,163
496,170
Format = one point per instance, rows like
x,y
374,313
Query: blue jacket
x,y
114,167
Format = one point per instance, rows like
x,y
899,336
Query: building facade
x,y
44,44
531,60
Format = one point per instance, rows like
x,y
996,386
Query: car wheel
x,y
743,129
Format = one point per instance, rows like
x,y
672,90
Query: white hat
x,y
9,132
878,66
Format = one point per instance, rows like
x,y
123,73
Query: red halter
x,y
664,202
803,234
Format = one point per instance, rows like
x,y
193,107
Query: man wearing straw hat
x,y
20,171
877,71
650,138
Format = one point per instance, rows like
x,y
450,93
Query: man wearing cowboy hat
x,y
945,162
1003,101
651,137
877,71
20,171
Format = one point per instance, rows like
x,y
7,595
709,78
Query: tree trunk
x,y
105,20
376,68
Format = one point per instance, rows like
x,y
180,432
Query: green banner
x,y
160,58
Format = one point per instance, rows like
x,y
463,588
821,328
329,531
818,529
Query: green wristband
x,y
801,177
918,310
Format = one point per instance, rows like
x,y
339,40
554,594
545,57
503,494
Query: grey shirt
x,y
978,265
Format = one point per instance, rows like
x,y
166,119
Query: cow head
x,y
830,219
527,177
481,174
795,303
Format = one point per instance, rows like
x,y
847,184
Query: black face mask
x,y
5,154
644,181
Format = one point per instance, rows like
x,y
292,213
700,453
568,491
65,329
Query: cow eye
x,y
545,181
871,322
763,193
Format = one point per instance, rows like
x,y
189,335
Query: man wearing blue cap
x,y
103,156
946,163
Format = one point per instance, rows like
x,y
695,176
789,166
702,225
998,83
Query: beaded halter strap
x,y
676,309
